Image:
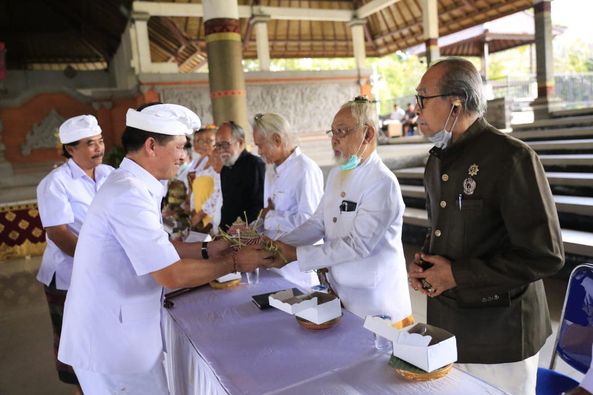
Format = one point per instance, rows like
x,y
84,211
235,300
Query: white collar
x,y
156,187
282,166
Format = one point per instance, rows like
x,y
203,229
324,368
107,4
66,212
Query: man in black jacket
x,y
241,178
494,232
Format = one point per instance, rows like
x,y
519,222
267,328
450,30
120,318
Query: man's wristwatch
x,y
205,250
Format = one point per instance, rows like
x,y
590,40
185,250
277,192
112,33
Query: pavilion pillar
x,y
544,59
430,23
142,45
224,47
260,23
485,60
358,48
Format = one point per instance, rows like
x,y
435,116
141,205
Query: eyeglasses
x,y
340,133
205,141
420,99
225,145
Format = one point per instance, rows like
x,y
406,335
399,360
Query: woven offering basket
x,y
411,372
227,284
313,326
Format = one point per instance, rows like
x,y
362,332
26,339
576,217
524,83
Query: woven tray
x,y
411,372
313,326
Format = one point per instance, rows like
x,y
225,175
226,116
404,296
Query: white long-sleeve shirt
x,y
295,187
362,248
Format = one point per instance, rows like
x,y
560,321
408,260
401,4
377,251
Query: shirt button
x,y
445,177
496,297
437,233
334,219
343,194
484,300
443,204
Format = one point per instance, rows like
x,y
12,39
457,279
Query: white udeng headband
x,y
170,119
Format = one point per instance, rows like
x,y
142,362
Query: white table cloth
x,y
219,342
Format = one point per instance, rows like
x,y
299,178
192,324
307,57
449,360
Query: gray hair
x,y
236,130
363,110
462,79
271,123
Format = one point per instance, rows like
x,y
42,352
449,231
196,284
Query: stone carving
x,y
43,134
308,107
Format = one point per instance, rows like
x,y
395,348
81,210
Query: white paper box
x,y
316,307
441,350
229,277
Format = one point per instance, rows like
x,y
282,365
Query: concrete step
x,y
575,242
559,122
555,178
579,162
575,145
570,178
579,205
553,134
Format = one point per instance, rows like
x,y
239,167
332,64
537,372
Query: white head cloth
x,y
78,128
171,119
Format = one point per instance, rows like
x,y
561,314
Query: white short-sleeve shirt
x,y
63,198
112,312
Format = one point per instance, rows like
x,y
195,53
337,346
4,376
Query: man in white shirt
x,y
293,185
112,333
360,219
63,197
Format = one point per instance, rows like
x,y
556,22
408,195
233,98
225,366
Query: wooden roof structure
x,y
52,34
501,34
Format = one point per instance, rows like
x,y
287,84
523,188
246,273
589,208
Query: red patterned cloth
x,y
21,232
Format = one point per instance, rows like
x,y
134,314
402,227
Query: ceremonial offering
x,y
227,281
423,346
241,233
317,308
411,372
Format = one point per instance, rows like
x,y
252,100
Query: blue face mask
x,y
442,137
351,163
354,160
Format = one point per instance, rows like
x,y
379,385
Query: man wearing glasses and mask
x,y
360,220
241,178
494,232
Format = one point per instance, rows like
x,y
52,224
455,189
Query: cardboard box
x,y
424,346
316,307
394,130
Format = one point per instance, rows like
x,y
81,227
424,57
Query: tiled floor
x,y
26,360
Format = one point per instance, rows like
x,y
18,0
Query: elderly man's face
x,y
347,135
432,112
227,146
268,149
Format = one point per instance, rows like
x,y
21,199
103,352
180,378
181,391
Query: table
x,y
219,342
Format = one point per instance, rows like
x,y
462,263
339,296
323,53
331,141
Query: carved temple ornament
x,y
43,134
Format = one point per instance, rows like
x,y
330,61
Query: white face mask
x,y
442,137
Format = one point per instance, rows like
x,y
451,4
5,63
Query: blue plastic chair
x,y
573,341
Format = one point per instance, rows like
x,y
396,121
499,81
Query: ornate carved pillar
x,y
223,43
